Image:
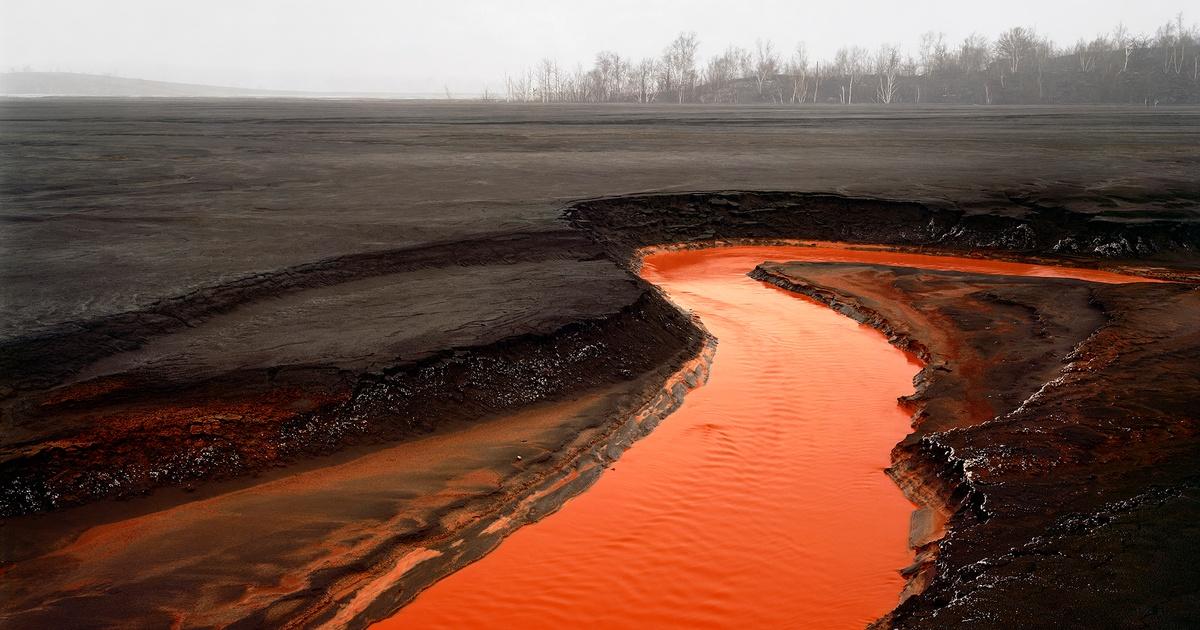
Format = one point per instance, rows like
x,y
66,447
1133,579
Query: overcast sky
x,y
422,46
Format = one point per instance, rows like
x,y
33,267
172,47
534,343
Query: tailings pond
x,y
762,502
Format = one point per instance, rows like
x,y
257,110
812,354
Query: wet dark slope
x,y
229,379
171,409
624,224
1055,428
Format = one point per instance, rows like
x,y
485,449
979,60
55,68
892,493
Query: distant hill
x,y
78,84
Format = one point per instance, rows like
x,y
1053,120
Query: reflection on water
x,y
762,502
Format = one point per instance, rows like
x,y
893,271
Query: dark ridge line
x,y
624,224
928,464
405,401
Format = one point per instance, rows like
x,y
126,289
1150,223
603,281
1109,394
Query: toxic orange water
x,y
760,503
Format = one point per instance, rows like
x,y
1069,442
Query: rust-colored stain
x,y
761,503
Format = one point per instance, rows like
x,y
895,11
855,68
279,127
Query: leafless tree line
x,y
887,74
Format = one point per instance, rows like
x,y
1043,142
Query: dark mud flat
x,y
258,555
196,292
1055,429
518,426
338,252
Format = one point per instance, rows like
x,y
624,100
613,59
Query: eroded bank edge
x,y
401,578
936,494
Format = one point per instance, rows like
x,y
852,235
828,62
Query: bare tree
x,y
974,53
724,69
610,75
1123,41
644,77
910,68
973,72
548,81
1014,45
1183,37
1042,51
679,61
931,53
1083,55
841,67
798,71
1165,36
1087,53
856,66
887,66
1173,37
766,62
717,75
849,63
510,89
816,75
1187,36
520,89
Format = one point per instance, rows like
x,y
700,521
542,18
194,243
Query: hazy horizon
x,y
470,45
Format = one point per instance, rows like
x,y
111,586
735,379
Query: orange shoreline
x,y
798,528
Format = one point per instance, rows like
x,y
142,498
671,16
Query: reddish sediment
x,y
322,543
1054,436
339,245
824,399
365,530
744,506
291,407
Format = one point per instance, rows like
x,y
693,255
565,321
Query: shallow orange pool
x,y
761,503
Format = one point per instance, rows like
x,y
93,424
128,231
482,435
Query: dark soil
x,y
1056,421
196,291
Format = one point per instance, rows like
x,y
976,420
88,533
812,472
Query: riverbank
x,y
366,529
376,587
1103,374
992,333
761,501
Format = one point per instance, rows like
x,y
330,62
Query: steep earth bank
x,y
1055,437
1023,227
337,544
159,411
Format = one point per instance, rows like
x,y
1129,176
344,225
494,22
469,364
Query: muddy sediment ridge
x,y
1026,227
106,407
1054,436
124,433
1061,459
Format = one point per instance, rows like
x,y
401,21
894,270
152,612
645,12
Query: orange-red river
x,y
760,503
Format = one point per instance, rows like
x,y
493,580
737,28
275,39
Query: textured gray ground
x,y
183,278
109,205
